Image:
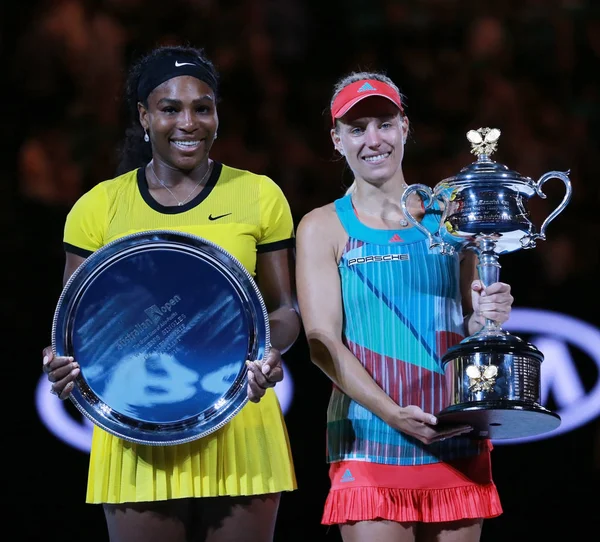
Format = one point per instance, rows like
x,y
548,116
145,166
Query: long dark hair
x,y
134,152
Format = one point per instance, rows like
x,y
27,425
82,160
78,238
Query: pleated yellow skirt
x,y
250,455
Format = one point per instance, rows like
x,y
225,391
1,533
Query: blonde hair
x,y
352,78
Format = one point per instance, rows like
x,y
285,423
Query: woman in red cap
x,y
380,309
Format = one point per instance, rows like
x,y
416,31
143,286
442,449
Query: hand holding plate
x,y
264,374
61,371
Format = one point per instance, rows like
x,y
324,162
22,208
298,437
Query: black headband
x,y
162,69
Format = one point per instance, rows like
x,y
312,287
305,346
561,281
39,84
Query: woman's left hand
x,y
493,302
264,374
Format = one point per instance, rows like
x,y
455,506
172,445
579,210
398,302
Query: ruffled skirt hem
x,y
408,505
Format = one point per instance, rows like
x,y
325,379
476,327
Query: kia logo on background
x,y
78,434
552,332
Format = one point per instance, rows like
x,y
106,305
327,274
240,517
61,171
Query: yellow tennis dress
x,y
244,213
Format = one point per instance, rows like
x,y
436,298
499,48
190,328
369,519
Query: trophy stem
x,y
488,268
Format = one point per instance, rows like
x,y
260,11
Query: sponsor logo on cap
x,y
366,87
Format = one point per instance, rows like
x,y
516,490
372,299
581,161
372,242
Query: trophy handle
x,y
564,177
428,198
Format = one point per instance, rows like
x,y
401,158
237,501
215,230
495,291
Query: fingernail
x,y
46,360
248,363
433,419
265,369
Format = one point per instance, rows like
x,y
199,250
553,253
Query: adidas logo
x,y
395,239
365,87
347,476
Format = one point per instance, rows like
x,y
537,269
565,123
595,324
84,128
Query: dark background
x,y
527,67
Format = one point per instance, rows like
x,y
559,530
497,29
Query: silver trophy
x,y
492,377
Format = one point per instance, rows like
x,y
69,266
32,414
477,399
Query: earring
x,y
341,151
146,138
215,136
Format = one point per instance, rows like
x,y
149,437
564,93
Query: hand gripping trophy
x,y
492,377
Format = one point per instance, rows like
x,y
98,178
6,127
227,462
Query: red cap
x,y
350,95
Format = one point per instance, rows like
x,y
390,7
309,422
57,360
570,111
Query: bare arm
x,y
62,370
72,263
275,276
319,297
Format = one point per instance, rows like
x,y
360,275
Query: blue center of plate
x,y
161,336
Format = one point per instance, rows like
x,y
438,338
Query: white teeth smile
x,y
376,158
186,144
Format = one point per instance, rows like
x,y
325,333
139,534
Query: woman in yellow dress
x,y
227,485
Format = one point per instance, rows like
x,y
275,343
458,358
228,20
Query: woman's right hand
x,y
413,421
61,371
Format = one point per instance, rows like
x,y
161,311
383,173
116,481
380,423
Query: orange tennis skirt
x,y
440,492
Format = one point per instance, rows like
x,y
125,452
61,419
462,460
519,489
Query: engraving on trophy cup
x,y
492,377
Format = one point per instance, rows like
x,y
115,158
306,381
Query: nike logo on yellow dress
x,y
211,217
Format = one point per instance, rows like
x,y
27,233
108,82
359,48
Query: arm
x,y
72,263
275,276
319,297
62,370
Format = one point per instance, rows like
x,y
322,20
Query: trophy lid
x,y
484,143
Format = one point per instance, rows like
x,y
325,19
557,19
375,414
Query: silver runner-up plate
x,y
161,324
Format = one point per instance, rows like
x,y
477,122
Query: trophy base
x,y
501,419
493,383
